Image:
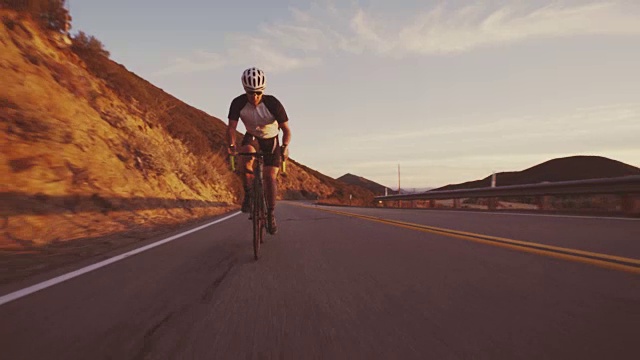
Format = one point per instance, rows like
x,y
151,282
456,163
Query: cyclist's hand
x,y
285,152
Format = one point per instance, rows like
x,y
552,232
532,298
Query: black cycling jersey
x,y
262,120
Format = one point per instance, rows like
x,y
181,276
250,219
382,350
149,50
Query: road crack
x,y
211,289
149,334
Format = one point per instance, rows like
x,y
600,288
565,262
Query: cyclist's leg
x,y
272,164
271,192
247,167
271,186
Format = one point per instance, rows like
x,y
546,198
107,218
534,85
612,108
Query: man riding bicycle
x,y
263,116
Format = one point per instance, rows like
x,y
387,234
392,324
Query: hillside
x,y
91,151
561,169
372,186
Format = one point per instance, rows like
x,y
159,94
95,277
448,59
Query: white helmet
x,y
253,79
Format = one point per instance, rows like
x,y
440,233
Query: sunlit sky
x,y
449,90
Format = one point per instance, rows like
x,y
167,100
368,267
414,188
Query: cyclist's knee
x,y
248,149
247,160
271,172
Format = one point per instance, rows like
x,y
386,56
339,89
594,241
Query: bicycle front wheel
x,y
258,220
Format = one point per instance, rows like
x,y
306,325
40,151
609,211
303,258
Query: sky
x,y
449,91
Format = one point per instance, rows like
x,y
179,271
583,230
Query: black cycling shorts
x,y
269,146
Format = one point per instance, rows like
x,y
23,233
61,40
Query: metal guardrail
x,y
628,187
626,184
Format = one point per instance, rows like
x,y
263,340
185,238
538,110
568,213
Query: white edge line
x,y
57,280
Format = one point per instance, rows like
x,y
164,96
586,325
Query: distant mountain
x,y
561,169
414,190
373,186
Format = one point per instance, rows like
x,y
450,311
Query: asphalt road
x,y
331,286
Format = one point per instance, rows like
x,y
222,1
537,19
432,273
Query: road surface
x,y
332,286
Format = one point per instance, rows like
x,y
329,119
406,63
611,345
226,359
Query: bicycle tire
x,y
257,219
263,221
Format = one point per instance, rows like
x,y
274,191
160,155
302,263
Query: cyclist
x,y
263,116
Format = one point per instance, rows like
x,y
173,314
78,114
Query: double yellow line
x,y
602,260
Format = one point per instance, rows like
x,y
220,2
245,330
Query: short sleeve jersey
x,y
260,121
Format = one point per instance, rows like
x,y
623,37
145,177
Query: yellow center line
x,y
602,260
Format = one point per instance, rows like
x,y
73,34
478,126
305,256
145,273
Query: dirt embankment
x,y
91,152
76,155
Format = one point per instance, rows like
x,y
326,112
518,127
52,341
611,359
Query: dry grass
x,y
73,149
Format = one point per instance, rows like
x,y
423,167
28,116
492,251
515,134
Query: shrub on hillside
x,y
51,14
89,43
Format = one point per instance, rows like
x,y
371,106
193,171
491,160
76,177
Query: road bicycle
x,y
258,201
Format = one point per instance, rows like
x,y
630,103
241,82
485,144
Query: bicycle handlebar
x,y
254,154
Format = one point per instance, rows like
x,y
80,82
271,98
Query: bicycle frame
x,y
258,203
259,207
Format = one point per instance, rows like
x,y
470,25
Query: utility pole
x,y
493,180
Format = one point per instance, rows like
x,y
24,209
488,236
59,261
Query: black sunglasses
x,y
254,92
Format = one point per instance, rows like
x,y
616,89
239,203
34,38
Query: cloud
x,y
271,59
253,52
509,141
443,30
593,122
440,31
322,31
367,35
199,61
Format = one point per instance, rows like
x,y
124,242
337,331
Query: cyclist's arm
x,y
231,132
286,133
286,138
234,116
